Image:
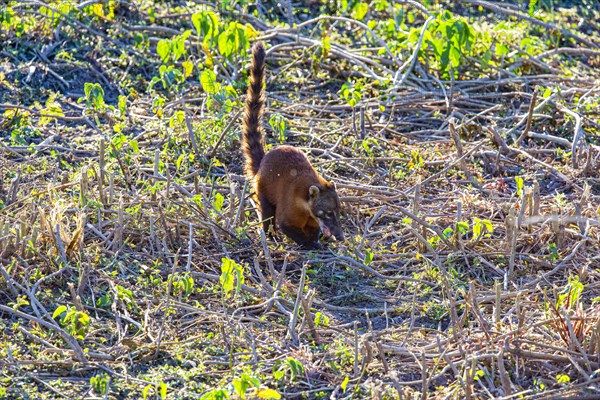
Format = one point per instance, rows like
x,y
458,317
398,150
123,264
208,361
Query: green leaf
x,y
122,105
163,49
177,119
547,93
278,374
479,225
360,10
188,285
454,57
178,45
571,295
445,58
486,57
488,225
188,67
295,366
94,95
146,390
242,384
134,146
234,40
170,76
532,5
207,25
268,394
250,32
326,44
463,227
279,125
501,49
59,310
226,279
321,319
230,272
447,232
53,107
217,394
218,201
345,383
554,255
476,227
368,257
226,43
209,83
240,388
179,160
519,181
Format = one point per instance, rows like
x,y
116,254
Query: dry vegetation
x,y
463,139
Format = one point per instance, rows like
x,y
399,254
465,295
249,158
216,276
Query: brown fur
x,y
288,188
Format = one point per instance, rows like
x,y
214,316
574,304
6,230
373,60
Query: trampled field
x,y
464,140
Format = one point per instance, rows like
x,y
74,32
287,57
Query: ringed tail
x,y
252,134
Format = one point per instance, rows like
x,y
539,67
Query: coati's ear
x,y
313,192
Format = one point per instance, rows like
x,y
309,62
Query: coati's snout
x,y
325,206
331,231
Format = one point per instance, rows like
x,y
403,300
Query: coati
x,y
289,190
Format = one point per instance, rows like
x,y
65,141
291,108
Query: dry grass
x,y
415,304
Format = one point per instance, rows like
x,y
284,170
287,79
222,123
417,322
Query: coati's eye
x,y
320,213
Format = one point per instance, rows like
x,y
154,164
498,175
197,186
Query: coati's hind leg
x,y
267,212
309,242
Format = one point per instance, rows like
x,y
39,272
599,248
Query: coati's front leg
x,y
308,241
267,213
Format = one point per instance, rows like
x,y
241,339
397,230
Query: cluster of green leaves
x,y
290,366
223,44
240,386
94,97
104,10
451,39
56,12
21,127
183,284
479,229
124,295
160,389
351,91
450,42
570,297
12,22
171,50
99,383
248,385
279,125
20,301
221,98
231,272
76,322
232,38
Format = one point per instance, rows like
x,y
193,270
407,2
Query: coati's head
x,y
325,207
